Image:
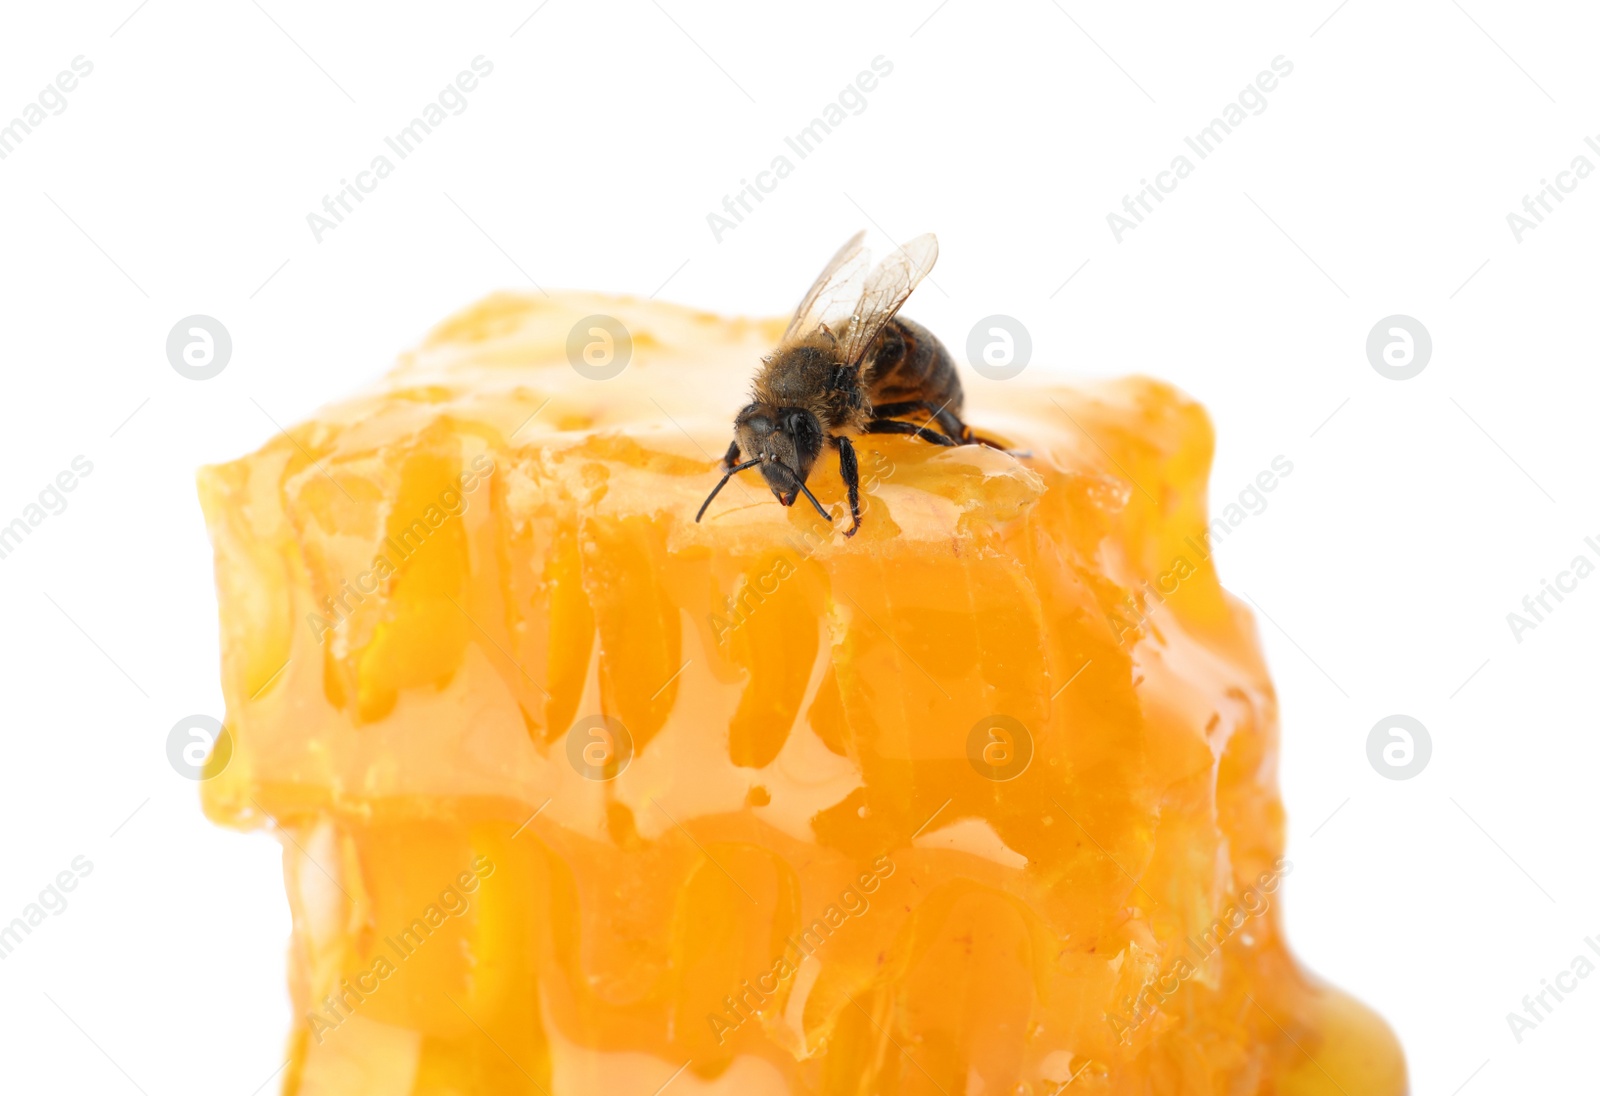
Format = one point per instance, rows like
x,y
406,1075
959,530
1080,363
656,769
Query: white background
x,y
1376,182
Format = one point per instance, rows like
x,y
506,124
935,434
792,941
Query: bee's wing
x,y
886,289
832,298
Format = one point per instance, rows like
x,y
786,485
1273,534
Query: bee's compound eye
x,y
797,424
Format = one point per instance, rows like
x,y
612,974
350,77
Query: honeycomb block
x,y
579,796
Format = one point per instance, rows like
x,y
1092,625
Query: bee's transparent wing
x,y
831,300
886,289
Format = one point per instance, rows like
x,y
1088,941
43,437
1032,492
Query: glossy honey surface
x,y
578,796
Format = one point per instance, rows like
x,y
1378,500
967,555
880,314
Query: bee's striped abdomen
x,y
909,363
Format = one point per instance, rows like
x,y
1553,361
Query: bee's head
x,y
786,440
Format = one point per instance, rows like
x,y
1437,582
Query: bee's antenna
x,y
807,492
723,481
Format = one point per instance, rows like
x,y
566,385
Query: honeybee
x,y
848,364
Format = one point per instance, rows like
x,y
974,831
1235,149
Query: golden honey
x,y
579,796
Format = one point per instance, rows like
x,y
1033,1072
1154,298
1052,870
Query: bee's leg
x,y
731,457
894,426
902,407
953,426
946,418
852,480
